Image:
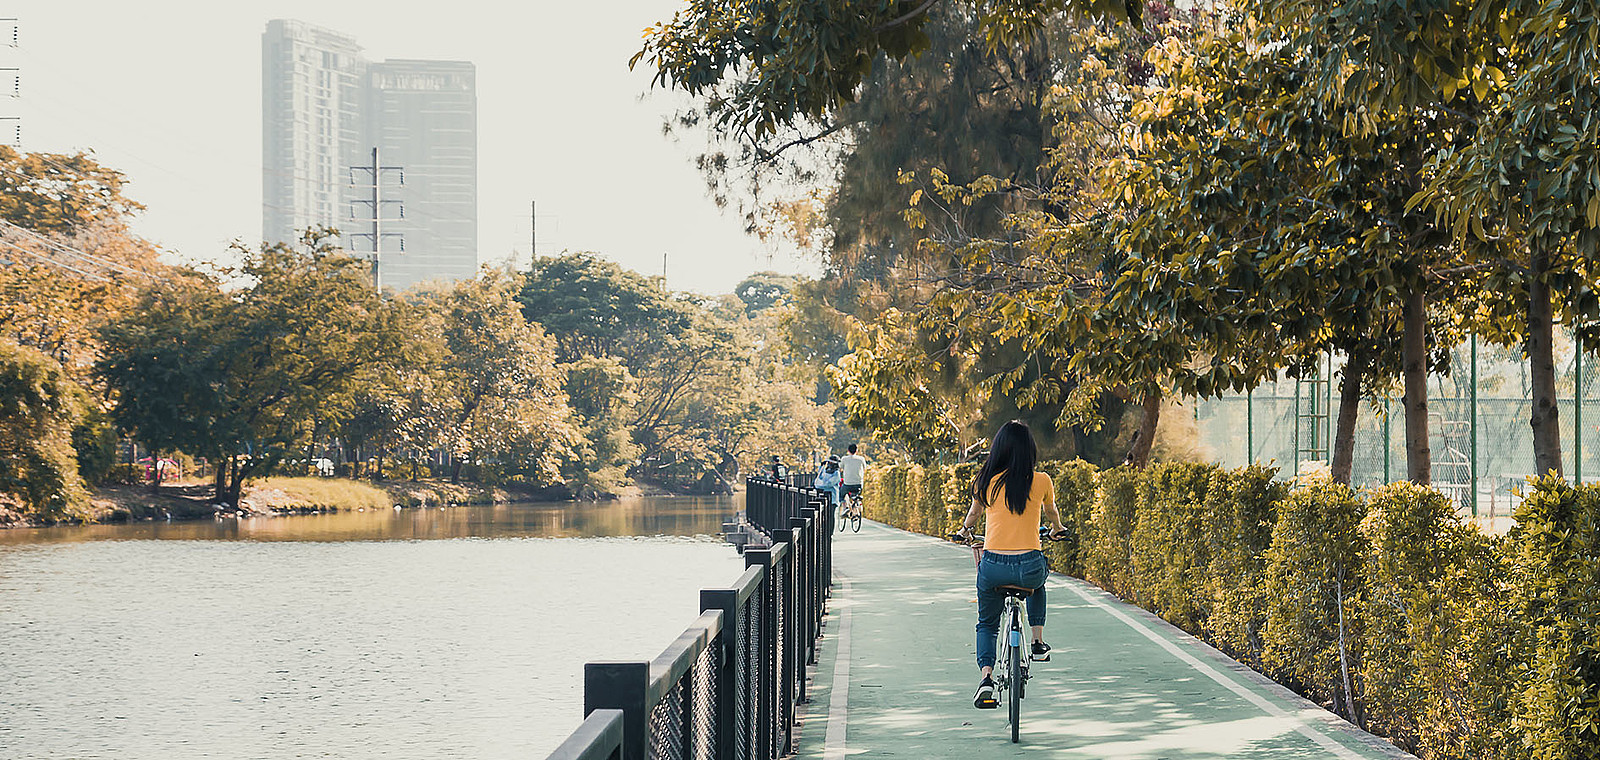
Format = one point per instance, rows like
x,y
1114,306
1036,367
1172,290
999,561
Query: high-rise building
x,y
423,117
325,107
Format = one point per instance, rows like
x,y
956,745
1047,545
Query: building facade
x,y
324,109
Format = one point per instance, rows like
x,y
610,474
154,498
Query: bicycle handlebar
x,y
976,540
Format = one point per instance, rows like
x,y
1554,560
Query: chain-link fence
x,y
1479,433
727,688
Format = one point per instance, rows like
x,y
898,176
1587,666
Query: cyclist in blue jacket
x,y
828,479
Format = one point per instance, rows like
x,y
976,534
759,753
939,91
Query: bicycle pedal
x,y
1042,657
987,704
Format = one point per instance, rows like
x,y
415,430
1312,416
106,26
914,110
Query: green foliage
x,y
39,407
94,443
1108,559
1555,561
1313,584
764,290
1238,522
1169,553
52,192
1076,486
773,65
1431,608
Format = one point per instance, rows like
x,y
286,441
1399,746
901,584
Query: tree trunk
x,y
1414,367
455,469
1344,431
1542,368
1145,436
235,484
220,478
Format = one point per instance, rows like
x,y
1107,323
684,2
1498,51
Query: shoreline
x,y
286,497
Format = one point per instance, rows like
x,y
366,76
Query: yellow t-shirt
x,y
1008,531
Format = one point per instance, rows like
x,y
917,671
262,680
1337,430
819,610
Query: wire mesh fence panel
x,y
702,683
1479,427
780,685
749,633
667,729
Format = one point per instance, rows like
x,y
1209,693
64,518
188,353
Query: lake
x,y
442,633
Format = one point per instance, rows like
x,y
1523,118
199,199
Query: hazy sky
x,y
169,92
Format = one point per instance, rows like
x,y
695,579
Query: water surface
x,y
455,633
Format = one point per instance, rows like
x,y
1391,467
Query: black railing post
x,y
766,699
814,539
786,647
727,600
621,686
799,527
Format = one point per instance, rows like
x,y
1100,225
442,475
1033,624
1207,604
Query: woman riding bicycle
x,y
828,479
1011,497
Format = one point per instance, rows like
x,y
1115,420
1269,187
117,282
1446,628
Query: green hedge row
x,y
1381,605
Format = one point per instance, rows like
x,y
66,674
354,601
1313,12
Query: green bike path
x,y
895,675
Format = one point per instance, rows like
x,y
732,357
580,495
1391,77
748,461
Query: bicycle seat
x,y
1016,591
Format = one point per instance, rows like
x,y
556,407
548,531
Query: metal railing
x,y
726,689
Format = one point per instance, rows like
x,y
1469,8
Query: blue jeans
x,y
994,570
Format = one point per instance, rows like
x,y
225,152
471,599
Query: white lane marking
x,y
833,747
1256,699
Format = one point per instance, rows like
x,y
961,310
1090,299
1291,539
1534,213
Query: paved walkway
x,y
896,674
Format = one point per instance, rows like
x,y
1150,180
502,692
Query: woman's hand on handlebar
x,y
1054,533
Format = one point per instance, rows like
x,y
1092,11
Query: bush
x,y
1075,483
1238,531
124,473
1168,546
1312,639
1108,558
1554,555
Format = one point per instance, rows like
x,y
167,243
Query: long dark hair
x,y
1011,455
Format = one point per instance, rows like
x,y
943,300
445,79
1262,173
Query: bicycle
x,y
1011,678
850,513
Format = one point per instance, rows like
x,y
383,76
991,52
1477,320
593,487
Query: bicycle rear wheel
x,y
855,521
844,515
1014,670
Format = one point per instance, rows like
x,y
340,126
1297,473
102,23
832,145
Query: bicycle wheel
x,y
844,516
855,521
1014,670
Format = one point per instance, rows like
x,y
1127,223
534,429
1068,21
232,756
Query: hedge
x,y
1381,604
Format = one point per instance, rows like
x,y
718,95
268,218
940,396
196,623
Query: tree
x,y
39,407
240,377
502,384
764,290
769,66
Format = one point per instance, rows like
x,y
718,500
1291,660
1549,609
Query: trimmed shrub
x,y
1312,638
1554,555
1238,524
1429,682
1107,559
1168,547
1076,482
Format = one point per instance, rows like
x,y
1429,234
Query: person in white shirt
x,y
852,472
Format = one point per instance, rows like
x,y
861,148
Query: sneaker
x,y
1041,651
984,699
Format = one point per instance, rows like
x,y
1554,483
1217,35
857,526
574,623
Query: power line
x,y
71,251
52,260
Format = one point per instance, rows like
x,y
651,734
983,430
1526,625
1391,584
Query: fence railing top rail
x,y
778,549
747,584
599,737
677,658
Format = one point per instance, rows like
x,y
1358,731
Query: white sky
x,y
169,92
